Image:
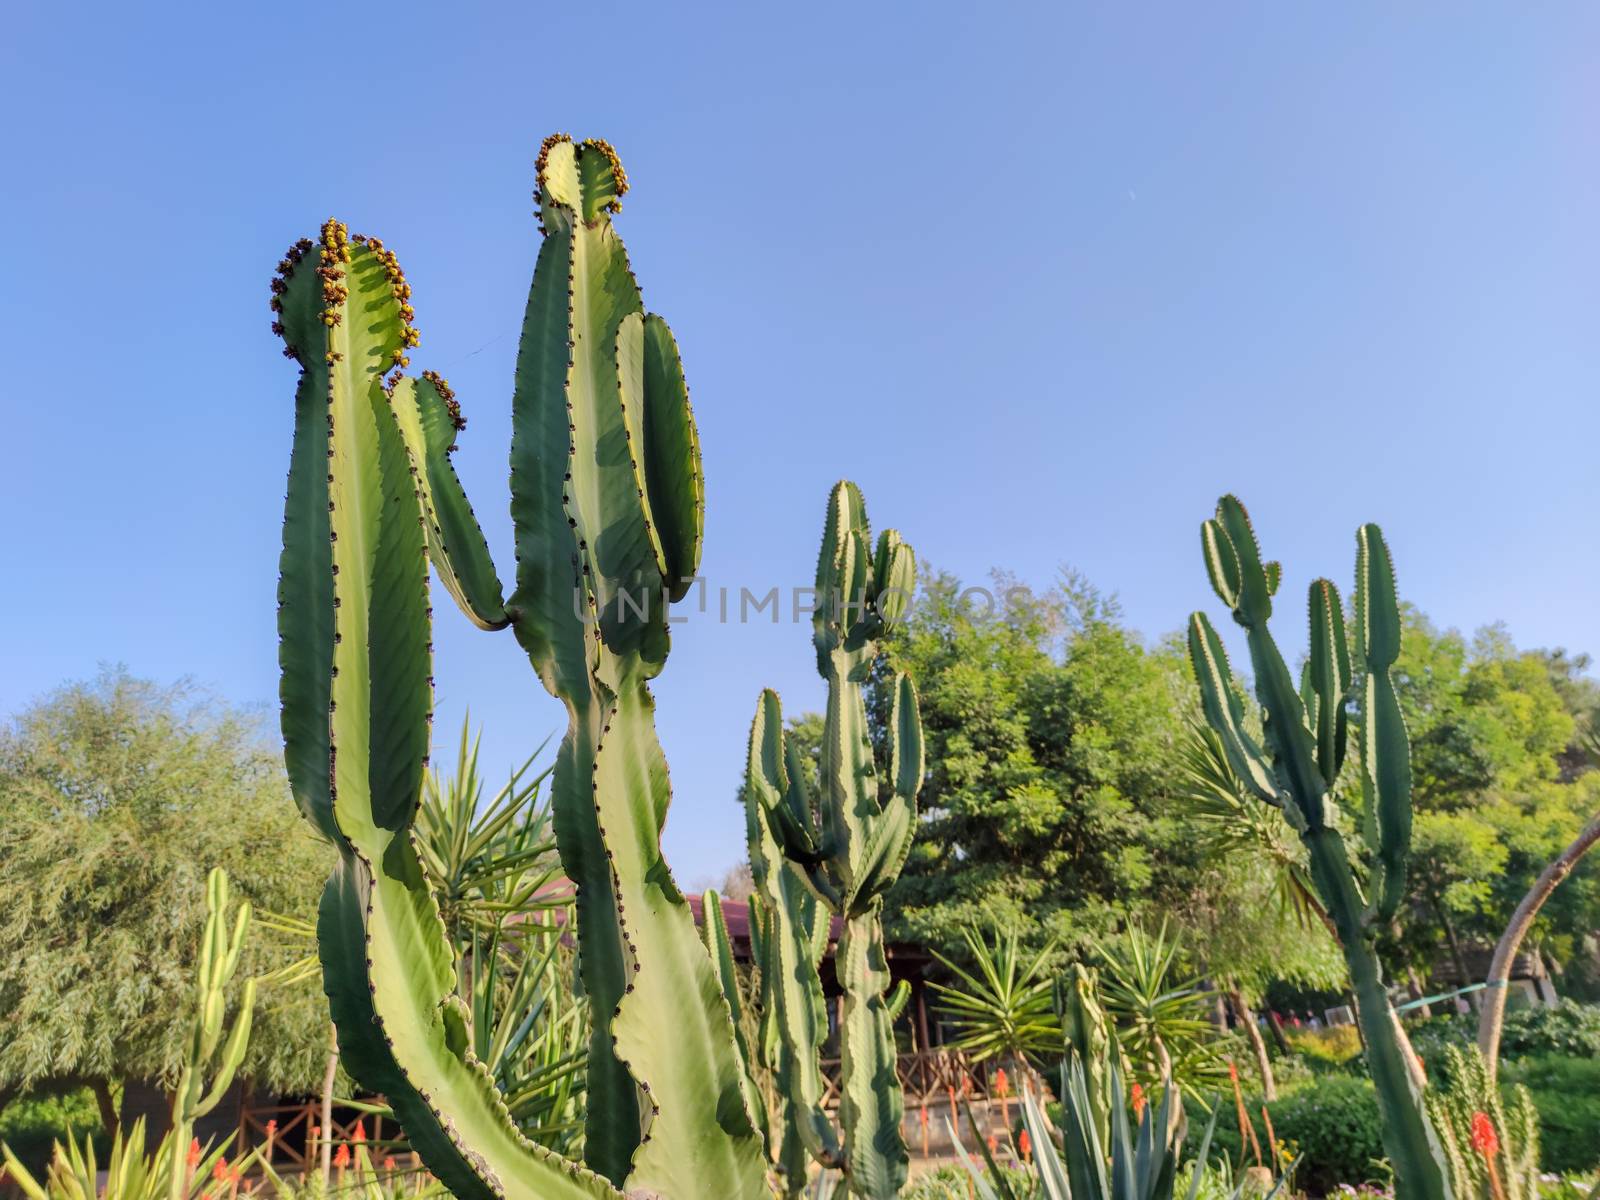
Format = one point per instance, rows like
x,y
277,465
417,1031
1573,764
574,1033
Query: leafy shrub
x,y
1333,1122
1568,1028
33,1124
951,1182
1566,1094
1327,1048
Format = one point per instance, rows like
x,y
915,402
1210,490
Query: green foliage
x,y
30,1127
131,1172
1567,1028
1002,1007
119,796
837,851
606,503
1566,1094
1047,808
1334,1124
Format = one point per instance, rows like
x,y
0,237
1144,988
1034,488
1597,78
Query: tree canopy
x,y
117,797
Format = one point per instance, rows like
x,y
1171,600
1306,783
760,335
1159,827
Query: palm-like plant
x,y
1228,821
1002,1007
1158,1013
487,859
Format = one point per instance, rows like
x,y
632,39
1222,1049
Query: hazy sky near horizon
x,y
1043,279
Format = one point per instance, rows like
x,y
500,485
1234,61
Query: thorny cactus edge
x,y
603,440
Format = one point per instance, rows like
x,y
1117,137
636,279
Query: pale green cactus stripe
x,y
871,1104
696,1072
456,544
1222,565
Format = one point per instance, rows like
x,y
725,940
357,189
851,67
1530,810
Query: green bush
x,y
1566,1093
1333,1122
31,1125
1567,1028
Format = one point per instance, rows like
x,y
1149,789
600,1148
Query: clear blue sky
x,y
1043,279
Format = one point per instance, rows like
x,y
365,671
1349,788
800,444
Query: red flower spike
x,y
341,1157
1484,1139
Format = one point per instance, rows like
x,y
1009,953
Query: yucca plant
x,y
1001,1004
1158,1011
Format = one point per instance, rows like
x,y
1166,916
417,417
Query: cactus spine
x,y
1306,732
606,499
838,854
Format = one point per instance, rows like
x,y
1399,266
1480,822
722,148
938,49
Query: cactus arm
x,y
871,1104
429,420
789,967
1384,748
1286,732
305,584
387,965
673,986
1305,763
672,457
232,1051
1225,713
714,928
889,842
593,394
1328,674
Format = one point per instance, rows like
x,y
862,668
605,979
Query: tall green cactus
x,y
839,853
606,500
210,1052
1306,732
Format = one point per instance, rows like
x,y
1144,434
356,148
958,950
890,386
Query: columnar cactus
x,y
838,854
1306,733
210,1052
606,500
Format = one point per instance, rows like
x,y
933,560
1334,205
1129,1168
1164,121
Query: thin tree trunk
x,y
107,1105
1269,1085
1276,1026
1414,986
1491,1016
1456,953
328,1077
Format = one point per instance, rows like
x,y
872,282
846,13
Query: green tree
x,y
117,797
1048,724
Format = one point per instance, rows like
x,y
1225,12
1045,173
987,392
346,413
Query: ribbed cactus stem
x,y
606,499
839,853
1297,769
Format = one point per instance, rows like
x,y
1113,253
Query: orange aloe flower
x,y
1025,1146
341,1157
194,1153
1139,1102
1484,1139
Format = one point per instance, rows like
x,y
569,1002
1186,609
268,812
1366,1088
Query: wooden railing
x,y
931,1078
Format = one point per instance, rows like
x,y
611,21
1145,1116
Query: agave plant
x,y
130,1172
